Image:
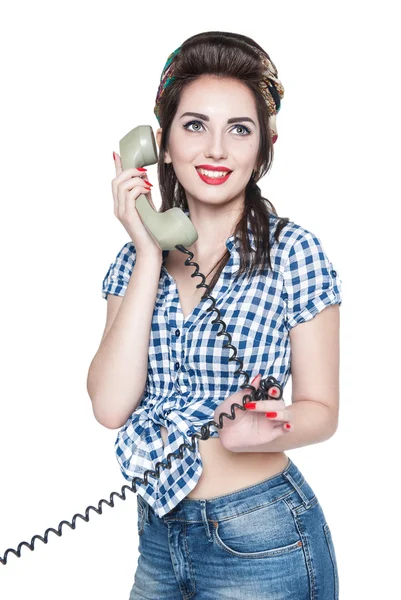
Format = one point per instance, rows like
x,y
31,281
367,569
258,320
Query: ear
x,y
167,158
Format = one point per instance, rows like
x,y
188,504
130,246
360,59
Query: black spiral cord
x,y
256,394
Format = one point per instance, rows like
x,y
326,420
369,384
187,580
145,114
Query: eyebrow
x,y
206,118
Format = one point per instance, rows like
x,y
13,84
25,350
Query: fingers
x,y
127,186
126,175
118,164
274,409
280,415
274,391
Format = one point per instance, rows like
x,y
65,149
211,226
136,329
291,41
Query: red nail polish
x,y
250,405
141,169
148,182
255,378
287,426
114,155
271,414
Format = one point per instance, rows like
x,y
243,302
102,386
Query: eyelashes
x,y
186,126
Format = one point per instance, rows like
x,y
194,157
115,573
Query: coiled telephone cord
x,y
256,394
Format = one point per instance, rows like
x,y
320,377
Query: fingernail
x,y
141,169
148,182
273,392
287,426
250,405
114,155
255,378
271,414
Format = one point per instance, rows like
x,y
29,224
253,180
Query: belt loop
x,y
303,497
204,519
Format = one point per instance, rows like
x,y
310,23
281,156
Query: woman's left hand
x,y
252,427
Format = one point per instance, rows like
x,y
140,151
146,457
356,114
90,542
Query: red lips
x,y
212,168
214,180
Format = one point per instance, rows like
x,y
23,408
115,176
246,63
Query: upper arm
x,y
113,306
315,359
116,281
312,293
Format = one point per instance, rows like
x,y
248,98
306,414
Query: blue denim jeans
x,y
269,541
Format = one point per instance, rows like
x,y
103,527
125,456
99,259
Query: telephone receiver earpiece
x,y
172,227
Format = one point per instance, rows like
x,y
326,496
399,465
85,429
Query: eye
x,y
186,126
243,127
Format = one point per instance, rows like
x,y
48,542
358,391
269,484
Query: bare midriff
x,y
223,471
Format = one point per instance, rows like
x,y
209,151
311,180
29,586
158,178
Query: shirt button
x,y
177,364
177,332
334,273
189,432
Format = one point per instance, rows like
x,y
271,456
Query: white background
x,y
76,77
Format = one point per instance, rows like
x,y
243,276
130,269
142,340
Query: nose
x,y
216,147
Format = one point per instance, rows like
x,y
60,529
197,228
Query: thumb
x,y
117,163
256,381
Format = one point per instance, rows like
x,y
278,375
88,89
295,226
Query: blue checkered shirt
x,y
189,372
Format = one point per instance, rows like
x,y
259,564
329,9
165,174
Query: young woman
x,y
233,517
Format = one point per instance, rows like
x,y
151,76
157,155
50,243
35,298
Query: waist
x,y
287,482
225,472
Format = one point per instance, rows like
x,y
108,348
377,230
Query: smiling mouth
x,y
213,177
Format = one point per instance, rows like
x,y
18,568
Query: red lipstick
x,y
214,180
212,168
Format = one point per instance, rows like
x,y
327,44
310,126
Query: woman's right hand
x,y
127,186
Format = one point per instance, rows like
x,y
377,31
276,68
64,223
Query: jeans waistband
x,y
234,503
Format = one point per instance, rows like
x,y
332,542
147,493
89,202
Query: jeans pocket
x,y
267,530
330,544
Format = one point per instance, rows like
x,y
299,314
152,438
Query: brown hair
x,y
225,55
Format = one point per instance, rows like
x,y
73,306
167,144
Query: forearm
x,y
118,372
312,422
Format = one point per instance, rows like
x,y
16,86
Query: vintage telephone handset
x,y
171,229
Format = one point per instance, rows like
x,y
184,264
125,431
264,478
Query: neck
x,y
214,225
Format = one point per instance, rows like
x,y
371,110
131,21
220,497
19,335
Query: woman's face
x,y
209,139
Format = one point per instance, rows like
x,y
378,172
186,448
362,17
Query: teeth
x,y
214,174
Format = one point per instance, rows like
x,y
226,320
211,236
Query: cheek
x,y
186,148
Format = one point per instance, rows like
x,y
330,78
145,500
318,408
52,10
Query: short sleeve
x,y
118,276
310,281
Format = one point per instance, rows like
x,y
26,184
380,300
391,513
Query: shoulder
x,y
128,250
291,233
293,238
119,272
126,256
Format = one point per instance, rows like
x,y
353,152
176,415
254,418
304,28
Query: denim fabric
x,y
269,541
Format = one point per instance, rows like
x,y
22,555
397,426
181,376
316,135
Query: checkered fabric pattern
x,y
189,372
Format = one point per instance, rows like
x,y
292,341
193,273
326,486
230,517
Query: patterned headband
x,y
271,87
